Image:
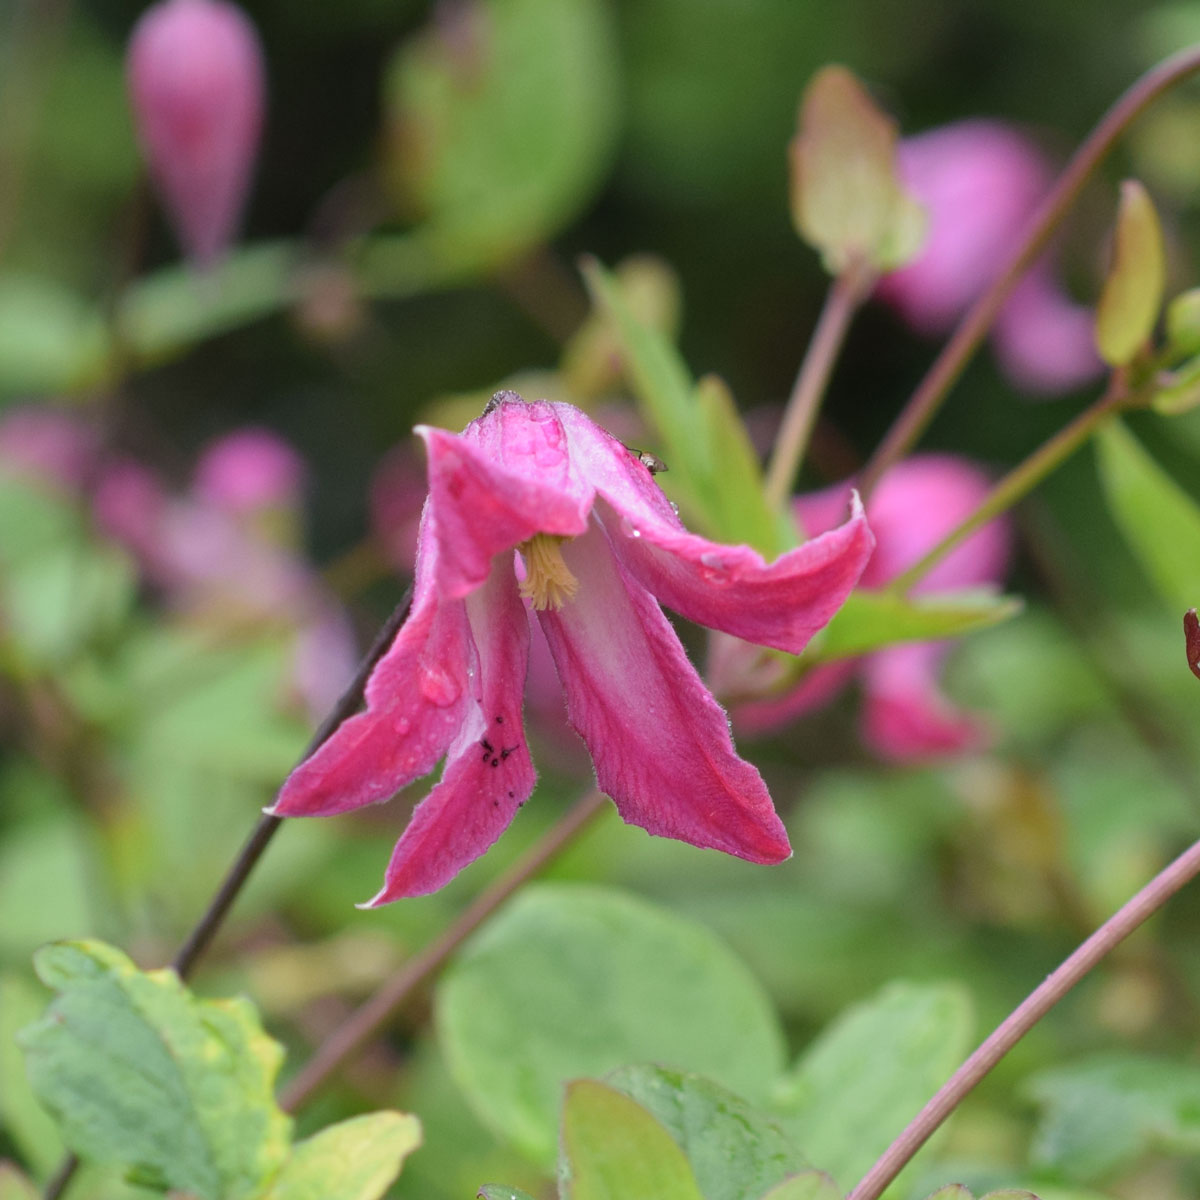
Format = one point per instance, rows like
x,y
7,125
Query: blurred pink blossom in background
x,y
196,83
250,470
980,182
905,715
206,550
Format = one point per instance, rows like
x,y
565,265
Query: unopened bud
x,y
196,84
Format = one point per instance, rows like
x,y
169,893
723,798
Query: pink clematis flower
x,y
980,182
540,482
906,717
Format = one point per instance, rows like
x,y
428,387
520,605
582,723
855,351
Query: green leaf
x,y
1101,1116
847,199
613,1149
50,339
715,473
734,1149
1178,391
739,508
869,1073
1183,325
164,313
353,1160
58,602
26,1123
869,619
1160,521
808,1185
140,1072
952,1191
573,980
1132,295
477,146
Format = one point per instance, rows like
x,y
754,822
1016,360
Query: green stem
x,y
965,340
845,295
1023,1018
369,1018
1021,480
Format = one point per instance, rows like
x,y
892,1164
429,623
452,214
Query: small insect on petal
x,y
651,462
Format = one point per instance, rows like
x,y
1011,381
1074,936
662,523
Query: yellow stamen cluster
x,y
548,580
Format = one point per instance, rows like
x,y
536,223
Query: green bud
x,y
1133,292
847,199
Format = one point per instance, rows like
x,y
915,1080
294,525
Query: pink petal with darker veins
x,y
416,698
659,741
507,477
730,588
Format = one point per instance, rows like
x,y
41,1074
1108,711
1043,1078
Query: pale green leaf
x,y
501,128
140,1072
353,1160
1160,521
869,1073
1132,295
613,1149
871,619
576,980
847,198
807,1185
734,1149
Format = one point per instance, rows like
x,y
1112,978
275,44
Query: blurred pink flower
x,y
396,498
47,444
980,182
599,543
906,716
195,75
250,470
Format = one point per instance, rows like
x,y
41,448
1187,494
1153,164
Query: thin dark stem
x,y
1027,1014
348,703
370,1017
965,340
1022,479
206,928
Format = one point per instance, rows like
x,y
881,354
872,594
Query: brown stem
x,y
206,928
1027,1014
845,294
369,1018
965,340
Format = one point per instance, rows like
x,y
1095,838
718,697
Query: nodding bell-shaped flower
x,y
535,505
195,75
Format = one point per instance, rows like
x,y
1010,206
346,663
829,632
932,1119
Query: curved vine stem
x,y
965,340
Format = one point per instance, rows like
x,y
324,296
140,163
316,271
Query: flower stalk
x,y
846,294
1023,1018
1023,478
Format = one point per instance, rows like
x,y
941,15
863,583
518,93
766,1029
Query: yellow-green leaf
x,y
847,198
1133,292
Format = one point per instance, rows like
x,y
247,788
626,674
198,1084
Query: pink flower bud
x,y
196,83
248,471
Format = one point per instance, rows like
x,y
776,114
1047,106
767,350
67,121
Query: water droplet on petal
x,y
438,687
629,529
713,569
401,726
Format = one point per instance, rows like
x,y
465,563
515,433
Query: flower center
x,y
548,581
